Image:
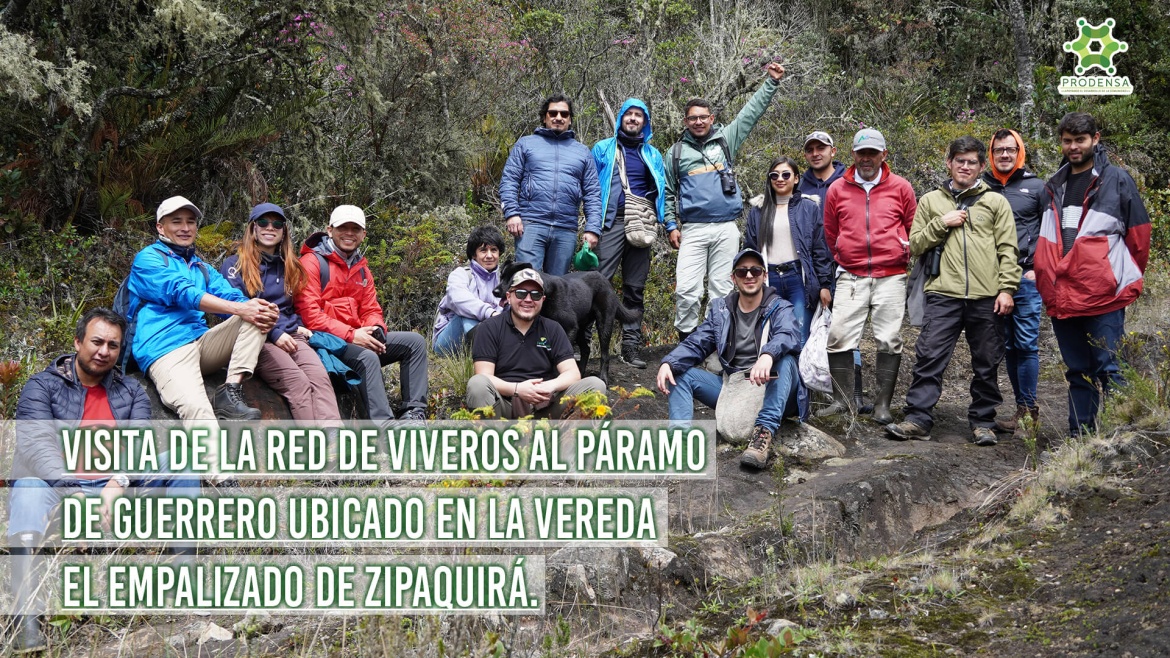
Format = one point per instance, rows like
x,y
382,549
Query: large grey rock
x,y
807,443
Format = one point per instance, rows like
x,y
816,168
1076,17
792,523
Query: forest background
x,y
409,109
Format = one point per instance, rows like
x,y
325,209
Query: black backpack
x,y
122,306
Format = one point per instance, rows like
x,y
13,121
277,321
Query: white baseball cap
x,y
347,215
176,203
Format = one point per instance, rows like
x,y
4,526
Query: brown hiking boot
x,y
907,429
1011,425
757,451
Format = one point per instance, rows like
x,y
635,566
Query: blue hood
x,y
647,132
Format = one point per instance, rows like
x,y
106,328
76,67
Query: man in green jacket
x,y
703,198
972,292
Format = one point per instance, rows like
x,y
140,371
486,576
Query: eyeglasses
x,y
523,294
1005,150
558,113
962,162
699,118
745,272
264,222
780,175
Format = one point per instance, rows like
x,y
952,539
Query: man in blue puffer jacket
x,y
645,177
546,178
735,330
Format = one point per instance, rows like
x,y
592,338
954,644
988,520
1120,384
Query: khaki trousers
x,y
882,300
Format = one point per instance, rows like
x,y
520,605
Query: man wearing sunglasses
x,y
755,334
523,361
547,177
703,198
978,273
171,289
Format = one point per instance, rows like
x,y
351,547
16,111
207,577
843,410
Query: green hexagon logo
x,y
1095,47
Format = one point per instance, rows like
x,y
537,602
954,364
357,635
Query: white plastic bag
x,y
814,358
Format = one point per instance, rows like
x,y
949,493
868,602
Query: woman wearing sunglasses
x,y
787,228
267,267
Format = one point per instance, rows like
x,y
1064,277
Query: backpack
x,y
324,266
122,306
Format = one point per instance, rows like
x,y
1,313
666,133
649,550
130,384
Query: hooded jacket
x,y
547,176
1103,270
716,335
167,290
605,156
808,235
979,258
272,280
469,294
693,189
868,233
55,394
348,302
1023,190
813,186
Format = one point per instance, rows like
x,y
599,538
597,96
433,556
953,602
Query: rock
x,y
256,623
807,443
777,626
215,633
256,393
657,558
722,556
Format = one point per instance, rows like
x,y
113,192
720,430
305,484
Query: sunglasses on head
x,y
521,293
780,175
264,222
744,272
559,113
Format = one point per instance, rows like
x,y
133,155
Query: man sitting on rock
x,y
755,333
523,361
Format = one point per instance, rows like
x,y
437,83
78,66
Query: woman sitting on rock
x,y
267,267
469,299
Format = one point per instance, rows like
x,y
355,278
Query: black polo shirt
x,y
520,357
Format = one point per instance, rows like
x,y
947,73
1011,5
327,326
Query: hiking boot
x,y
1013,423
229,404
632,356
841,368
414,415
887,378
983,436
906,430
758,448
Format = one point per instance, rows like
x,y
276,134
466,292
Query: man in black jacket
x,y
1023,190
82,388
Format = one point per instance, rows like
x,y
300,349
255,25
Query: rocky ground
x,y
896,524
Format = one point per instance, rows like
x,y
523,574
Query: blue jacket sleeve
x,y
784,336
140,406
692,351
510,180
37,444
220,287
751,229
822,260
153,281
592,187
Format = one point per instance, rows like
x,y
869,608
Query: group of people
x,y
993,246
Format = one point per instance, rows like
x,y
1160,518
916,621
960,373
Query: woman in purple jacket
x,y
469,299
266,266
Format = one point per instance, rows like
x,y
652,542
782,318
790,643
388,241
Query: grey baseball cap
x,y
819,136
868,138
526,274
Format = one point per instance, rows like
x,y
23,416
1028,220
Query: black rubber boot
x,y
887,379
27,593
632,356
859,402
229,404
841,368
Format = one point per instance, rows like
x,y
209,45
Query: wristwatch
x,y
122,480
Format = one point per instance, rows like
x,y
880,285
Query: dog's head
x,y
507,270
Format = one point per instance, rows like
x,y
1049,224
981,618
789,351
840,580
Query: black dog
x,y
577,301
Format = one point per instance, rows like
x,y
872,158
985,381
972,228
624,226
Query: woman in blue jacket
x,y
266,266
787,228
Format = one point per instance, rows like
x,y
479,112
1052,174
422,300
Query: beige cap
x,y
347,215
176,203
526,274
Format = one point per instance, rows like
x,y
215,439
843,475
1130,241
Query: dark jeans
x,y
944,318
790,287
1089,346
405,346
614,250
1022,333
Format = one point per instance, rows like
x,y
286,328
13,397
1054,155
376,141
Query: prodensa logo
x,y
1095,48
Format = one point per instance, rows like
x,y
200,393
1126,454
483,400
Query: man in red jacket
x,y
868,213
1092,252
340,298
